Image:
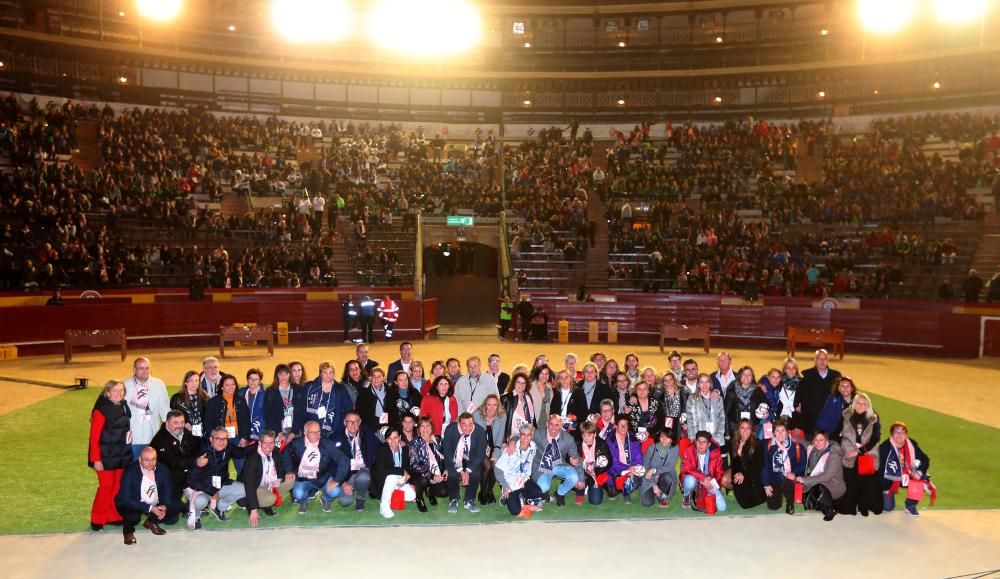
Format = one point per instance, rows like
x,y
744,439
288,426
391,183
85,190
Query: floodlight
x,y
959,11
159,10
884,17
431,27
308,21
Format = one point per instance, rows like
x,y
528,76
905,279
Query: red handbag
x,y
866,465
397,501
798,493
710,507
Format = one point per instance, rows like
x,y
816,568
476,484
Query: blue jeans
x,y
304,489
690,483
563,471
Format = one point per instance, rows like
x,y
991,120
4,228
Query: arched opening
x,y
463,276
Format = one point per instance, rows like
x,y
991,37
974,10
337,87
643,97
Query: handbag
x,y
397,501
866,465
915,490
710,507
798,493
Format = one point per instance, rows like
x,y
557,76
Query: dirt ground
x,y
925,382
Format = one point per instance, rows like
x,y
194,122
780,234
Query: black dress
x,y
750,493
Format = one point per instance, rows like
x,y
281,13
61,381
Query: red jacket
x,y
388,310
432,407
689,463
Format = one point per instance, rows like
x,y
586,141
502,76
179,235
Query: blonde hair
x,y
109,386
482,407
870,414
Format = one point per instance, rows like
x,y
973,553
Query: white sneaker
x,y
387,512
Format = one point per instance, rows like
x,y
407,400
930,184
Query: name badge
x,y
642,429
357,464
668,422
286,422
217,482
232,431
768,430
196,429
384,419
906,480
321,412
744,416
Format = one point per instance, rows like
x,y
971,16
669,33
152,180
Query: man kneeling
x,y
145,490
264,479
316,465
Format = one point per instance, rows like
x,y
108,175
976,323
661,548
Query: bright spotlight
x,y
159,10
882,17
431,27
311,20
959,11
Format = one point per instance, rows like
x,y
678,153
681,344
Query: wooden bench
x,y
814,337
93,339
245,334
684,333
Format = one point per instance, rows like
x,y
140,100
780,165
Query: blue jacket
x,y
337,403
369,444
274,409
831,417
331,462
200,478
797,456
131,487
255,408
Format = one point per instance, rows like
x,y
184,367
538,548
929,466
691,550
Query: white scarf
x,y
309,465
269,479
821,463
147,490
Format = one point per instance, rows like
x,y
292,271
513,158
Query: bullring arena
x,y
259,183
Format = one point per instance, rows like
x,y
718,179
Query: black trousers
x,y
785,491
470,491
366,328
131,517
423,485
349,324
530,491
504,327
864,493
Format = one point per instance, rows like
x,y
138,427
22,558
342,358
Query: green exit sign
x,y
460,221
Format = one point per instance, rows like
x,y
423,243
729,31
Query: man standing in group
x,y
472,389
147,399
723,378
388,312
366,317
145,490
361,355
403,363
350,316
816,384
211,376
501,377
464,453
525,310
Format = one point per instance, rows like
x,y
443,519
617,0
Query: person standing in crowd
x,y
298,373
110,451
405,360
148,402
374,404
326,401
229,411
593,390
353,379
361,355
388,312
190,399
831,417
474,387
404,397
350,317
493,368
284,406
211,376
859,438
568,402
464,453
705,412
264,479
506,316
492,418
366,317
525,309
146,491
817,383
253,395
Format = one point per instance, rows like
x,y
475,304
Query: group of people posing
x,y
526,438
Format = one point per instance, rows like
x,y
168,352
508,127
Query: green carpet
x,y
46,486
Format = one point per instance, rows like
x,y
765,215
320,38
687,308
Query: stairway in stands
x,y
87,156
808,168
987,256
597,256
346,274
233,203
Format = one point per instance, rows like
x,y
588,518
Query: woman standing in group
x,y
190,399
490,417
404,396
354,379
298,373
519,405
228,410
744,400
673,404
632,368
440,404
746,460
541,390
427,472
831,417
859,438
110,451
284,405
437,370
608,373
417,380
790,379
705,412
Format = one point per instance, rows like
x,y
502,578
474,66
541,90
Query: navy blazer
x,y
477,447
601,392
331,462
131,486
274,409
369,444
577,406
